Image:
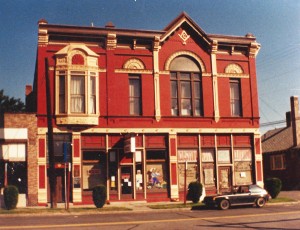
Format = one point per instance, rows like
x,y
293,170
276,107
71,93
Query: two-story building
x,y
140,107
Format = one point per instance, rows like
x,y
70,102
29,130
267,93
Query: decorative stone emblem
x,y
234,68
134,63
184,36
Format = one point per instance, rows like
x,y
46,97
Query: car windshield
x,y
256,189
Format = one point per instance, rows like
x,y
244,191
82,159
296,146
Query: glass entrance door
x,y
126,182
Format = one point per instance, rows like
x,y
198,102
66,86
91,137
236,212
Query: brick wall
x,y
29,121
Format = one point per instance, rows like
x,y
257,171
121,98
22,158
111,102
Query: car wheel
x,y
260,202
224,204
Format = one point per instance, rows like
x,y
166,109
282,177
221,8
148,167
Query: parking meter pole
x,y
65,160
68,185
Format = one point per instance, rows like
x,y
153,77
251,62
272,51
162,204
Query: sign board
x,y
129,144
187,155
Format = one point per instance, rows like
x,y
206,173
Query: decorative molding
x,y
214,46
111,41
253,50
133,71
184,36
134,63
156,43
77,120
232,75
187,53
234,69
43,37
160,130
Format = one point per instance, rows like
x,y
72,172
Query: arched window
x,y
186,87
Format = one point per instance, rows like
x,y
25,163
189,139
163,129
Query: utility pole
x,y
52,175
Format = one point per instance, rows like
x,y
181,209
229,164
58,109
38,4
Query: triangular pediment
x,y
67,49
183,20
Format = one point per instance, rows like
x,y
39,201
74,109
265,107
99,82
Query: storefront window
x,y
208,167
187,166
93,169
243,166
224,156
113,171
156,166
139,171
17,175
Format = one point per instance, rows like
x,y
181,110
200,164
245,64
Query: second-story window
x,y
235,98
77,92
186,88
135,95
62,92
92,92
186,94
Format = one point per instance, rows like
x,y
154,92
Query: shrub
x,y
194,192
11,194
273,186
99,195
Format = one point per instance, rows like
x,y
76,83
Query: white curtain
x,y
77,94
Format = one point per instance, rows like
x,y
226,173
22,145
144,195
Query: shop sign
x,y
187,155
129,144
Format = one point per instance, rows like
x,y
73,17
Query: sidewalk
x,y
143,206
290,194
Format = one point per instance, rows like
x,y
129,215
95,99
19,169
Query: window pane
x,y
174,109
134,104
173,89
157,174
197,107
235,102
185,89
93,169
62,107
197,76
185,76
186,107
173,75
77,94
92,102
134,96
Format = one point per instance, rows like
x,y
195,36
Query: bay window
x,y
77,86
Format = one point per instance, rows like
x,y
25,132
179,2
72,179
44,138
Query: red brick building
x,y
138,106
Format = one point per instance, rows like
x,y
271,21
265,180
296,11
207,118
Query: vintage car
x,y
241,195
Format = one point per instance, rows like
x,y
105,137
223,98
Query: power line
x,y
271,123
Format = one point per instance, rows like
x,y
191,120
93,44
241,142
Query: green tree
x,y
10,104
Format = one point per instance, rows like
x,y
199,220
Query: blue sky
x,y
275,23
